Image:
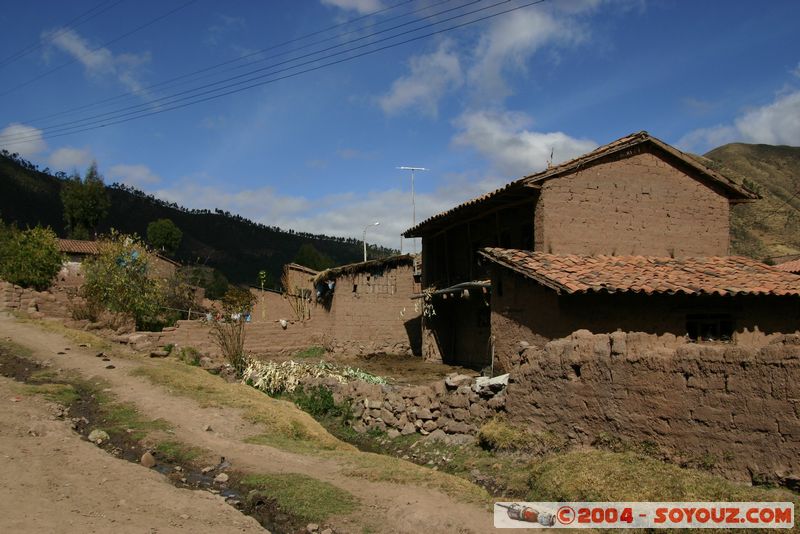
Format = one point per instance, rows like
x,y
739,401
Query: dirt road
x,y
41,492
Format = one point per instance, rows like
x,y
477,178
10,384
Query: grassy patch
x,y
310,352
499,435
291,428
124,418
177,452
304,497
64,394
189,355
381,468
626,476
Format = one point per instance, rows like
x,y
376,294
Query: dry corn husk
x,y
272,377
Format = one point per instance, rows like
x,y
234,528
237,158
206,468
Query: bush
x,y
118,279
30,258
229,331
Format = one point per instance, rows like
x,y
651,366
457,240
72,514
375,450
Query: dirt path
x,y
55,482
386,507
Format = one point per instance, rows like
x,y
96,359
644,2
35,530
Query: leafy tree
x,y
85,203
29,258
118,279
163,234
310,257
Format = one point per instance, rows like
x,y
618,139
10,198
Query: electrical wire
x,y
179,105
129,94
107,43
94,118
62,29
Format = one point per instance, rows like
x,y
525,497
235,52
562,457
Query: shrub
x,y
228,332
30,258
118,279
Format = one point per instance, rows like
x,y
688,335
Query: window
x,y
709,327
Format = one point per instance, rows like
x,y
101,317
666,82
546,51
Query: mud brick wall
x,y
736,408
640,205
54,302
367,314
523,310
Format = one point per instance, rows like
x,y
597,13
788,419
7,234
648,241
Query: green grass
x,y
304,497
177,452
124,418
310,352
292,429
497,434
15,349
627,476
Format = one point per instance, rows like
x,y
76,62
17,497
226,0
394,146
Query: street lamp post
x,y
364,237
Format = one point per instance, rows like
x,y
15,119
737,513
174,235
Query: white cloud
x,y
361,6
505,140
135,175
69,158
431,76
224,26
510,42
25,140
101,62
777,123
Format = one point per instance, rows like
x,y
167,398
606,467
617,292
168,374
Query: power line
x,y
177,97
244,57
177,105
62,29
107,43
248,76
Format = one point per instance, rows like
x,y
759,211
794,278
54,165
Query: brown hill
x,y
768,229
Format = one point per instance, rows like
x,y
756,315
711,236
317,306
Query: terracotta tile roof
x,y
789,266
76,246
734,190
729,275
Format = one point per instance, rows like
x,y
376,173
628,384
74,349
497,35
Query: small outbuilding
x,y
537,297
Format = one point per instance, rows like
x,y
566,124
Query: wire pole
x,y
413,202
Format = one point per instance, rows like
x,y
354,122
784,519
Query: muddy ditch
x,y
87,411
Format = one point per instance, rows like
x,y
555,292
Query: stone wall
x,y
640,205
455,406
54,302
735,408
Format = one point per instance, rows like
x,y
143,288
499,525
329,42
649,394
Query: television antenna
x,y
413,202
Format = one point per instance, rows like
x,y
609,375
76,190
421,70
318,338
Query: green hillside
x,y
236,246
768,228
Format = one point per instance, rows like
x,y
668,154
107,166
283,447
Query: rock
x,y
497,402
408,429
422,401
393,433
457,401
373,404
437,435
499,382
98,436
159,354
460,414
424,414
206,470
221,478
148,460
456,380
208,428
327,531
312,527
430,426
458,427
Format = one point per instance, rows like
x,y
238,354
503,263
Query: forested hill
x,y
236,246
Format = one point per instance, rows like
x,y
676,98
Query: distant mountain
x,y
768,229
236,246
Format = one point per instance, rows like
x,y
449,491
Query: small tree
x,y
29,258
164,235
85,203
228,330
118,279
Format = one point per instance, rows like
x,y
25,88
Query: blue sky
x,y
478,106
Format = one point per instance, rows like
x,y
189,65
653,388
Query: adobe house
x,y
77,250
537,297
370,304
298,289
636,196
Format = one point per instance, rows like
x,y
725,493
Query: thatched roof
x,y
378,265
